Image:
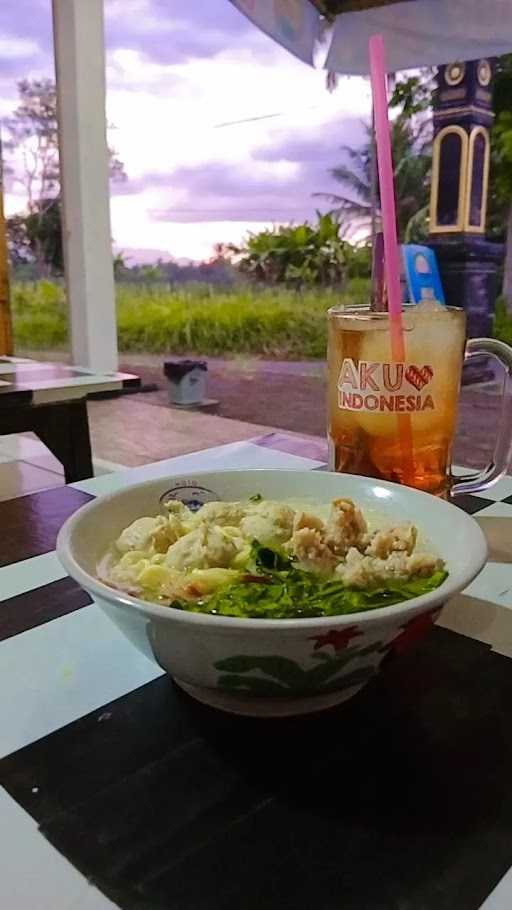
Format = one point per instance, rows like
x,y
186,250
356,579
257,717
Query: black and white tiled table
x,y
117,790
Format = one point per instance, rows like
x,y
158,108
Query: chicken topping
x,y
359,571
345,527
148,533
270,523
401,539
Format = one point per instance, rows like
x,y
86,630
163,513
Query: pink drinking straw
x,y
391,249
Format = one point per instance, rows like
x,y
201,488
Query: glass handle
x,y
481,480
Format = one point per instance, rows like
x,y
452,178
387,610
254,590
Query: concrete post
x,y
84,166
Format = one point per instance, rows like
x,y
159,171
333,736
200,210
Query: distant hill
x,y
135,256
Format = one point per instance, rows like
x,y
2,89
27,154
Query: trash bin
x,y
186,382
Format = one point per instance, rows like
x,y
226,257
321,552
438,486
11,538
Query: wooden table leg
x,y
81,466
64,429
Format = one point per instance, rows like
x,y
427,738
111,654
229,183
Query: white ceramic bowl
x,y
271,667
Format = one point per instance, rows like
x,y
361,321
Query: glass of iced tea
x,y
369,394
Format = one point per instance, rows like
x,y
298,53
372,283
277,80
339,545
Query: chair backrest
x,y
422,273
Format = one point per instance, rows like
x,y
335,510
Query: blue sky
x,y
177,70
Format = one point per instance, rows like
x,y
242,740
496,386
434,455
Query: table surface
x,y
34,382
117,790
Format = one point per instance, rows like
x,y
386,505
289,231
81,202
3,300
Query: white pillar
x,y
84,166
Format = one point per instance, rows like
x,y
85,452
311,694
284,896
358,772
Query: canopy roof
x,y
416,32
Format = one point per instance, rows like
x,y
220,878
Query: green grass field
x,y
198,320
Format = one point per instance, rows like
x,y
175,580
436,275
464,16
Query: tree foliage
x,y
38,232
412,96
411,146
500,188
218,271
500,195
32,132
32,142
296,256
412,165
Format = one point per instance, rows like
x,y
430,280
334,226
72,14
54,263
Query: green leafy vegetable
x,y
293,593
269,560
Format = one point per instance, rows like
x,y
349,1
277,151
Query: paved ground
x,y
131,432
286,395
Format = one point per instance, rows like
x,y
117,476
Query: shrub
x,y
503,323
296,256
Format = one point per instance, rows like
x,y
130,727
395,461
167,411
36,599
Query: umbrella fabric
x,y
292,23
335,7
420,33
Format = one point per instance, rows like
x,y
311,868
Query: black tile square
x,y
30,524
471,504
41,605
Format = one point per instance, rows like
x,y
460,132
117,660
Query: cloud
x,y
217,192
271,179
26,30
275,182
166,30
319,146
14,48
177,70
25,46
134,186
178,31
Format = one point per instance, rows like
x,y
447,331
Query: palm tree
x,y
499,220
412,158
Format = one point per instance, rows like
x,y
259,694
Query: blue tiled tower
x,y
460,175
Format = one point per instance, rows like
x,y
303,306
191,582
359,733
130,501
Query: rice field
x,y
192,319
